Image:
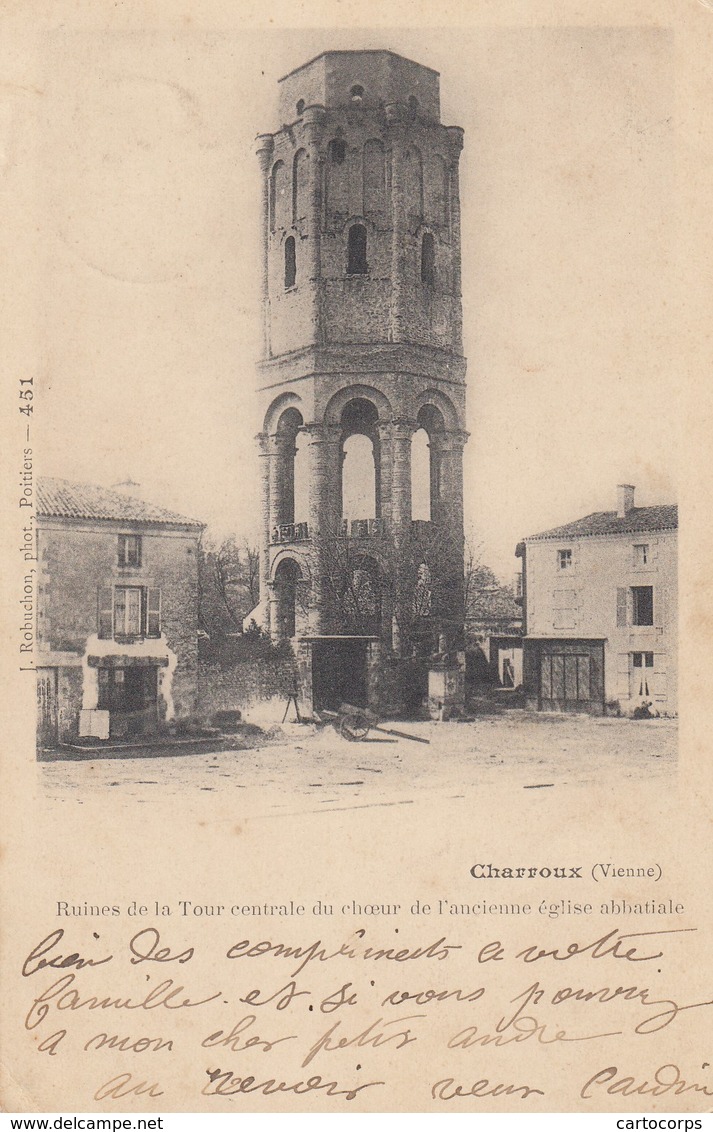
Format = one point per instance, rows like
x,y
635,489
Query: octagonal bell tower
x,y
362,376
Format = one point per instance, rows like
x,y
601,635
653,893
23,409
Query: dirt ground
x,y
313,769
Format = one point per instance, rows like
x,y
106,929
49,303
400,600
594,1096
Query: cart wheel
x,y
354,728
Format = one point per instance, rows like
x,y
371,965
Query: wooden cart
x,y
355,723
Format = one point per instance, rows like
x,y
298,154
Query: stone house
x,y
117,613
600,611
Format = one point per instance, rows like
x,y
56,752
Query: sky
x,y
145,196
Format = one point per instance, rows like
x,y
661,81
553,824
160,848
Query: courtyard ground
x,y
309,768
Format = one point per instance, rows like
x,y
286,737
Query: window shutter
x,y
622,675
621,606
105,612
153,613
657,683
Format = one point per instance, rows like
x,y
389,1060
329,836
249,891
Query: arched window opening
x,y
360,464
413,187
358,479
337,181
337,151
300,107
356,94
299,186
440,191
430,423
287,576
290,262
374,174
428,259
413,104
356,251
361,597
420,476
277,191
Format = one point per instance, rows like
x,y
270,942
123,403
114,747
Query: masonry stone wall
x,y
256,687
77,560
361,150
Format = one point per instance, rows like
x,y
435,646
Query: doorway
x,y
130,695
339,673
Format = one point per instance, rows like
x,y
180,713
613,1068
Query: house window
x,y
356,251
290,262
129,550
428,259
128,612
564,559
642,659
642,605
641,554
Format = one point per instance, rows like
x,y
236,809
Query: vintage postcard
x,y
354,383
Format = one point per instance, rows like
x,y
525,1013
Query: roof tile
x,y
65,499
661,518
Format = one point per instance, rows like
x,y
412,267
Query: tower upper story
x,y
361,212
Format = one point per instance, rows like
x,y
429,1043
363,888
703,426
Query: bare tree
x,y
411,580
228,585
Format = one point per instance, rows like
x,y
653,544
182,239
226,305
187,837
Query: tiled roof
x,y
663,518
67,500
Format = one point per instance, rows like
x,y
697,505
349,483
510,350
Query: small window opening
x,y
413,103
564,559
300,107
290,262
643,605
428,259
337,151
356,258
357,94
129,550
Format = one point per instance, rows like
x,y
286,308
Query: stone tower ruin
x,y
362,377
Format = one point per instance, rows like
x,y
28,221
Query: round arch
x,y
277,408
286,576
336,405
290,555
441,402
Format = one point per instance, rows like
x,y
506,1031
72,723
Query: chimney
x,y
128,487
624,499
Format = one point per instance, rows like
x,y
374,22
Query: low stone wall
x,y
257,687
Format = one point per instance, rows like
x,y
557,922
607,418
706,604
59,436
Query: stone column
x,y
451,518
273,619
265,145
324,507
386,458
452,444
276,481
398,222
265,525
401,434
456,136
313,124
